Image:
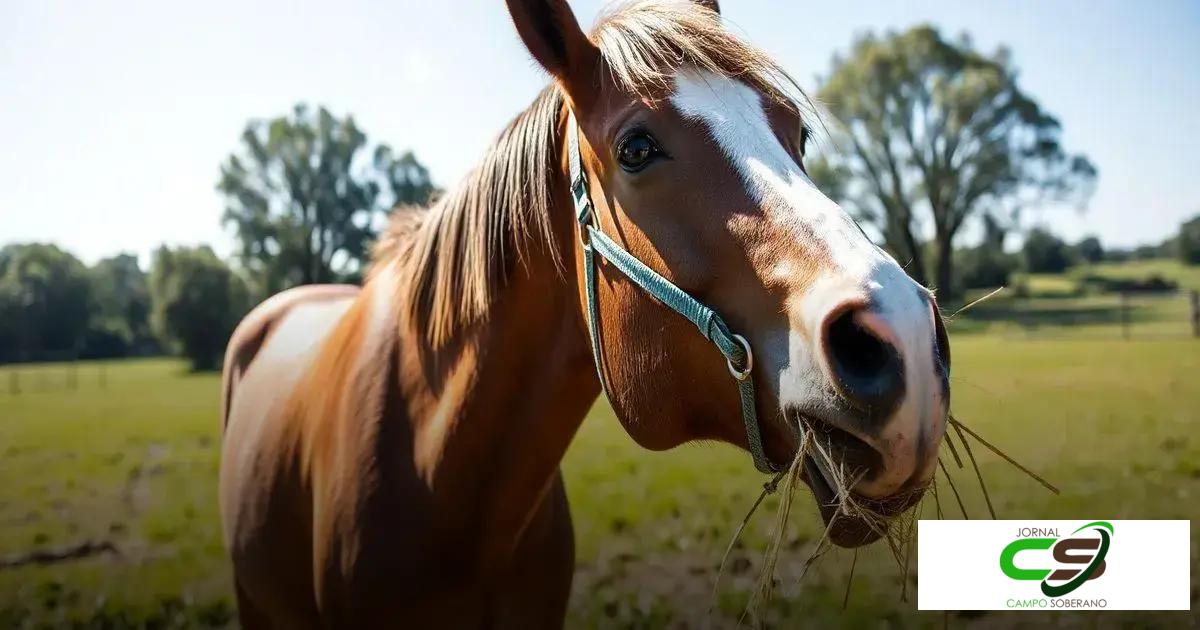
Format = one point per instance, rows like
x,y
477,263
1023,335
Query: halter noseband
x,y
734,347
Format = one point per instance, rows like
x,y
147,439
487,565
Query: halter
x,y
734,347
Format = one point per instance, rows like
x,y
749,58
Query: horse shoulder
x,y
262,487
260,323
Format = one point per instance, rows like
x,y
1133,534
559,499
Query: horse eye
x,y
636,150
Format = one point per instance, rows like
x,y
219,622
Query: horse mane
x,y
455,255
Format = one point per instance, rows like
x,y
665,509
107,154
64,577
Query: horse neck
x,y
492,414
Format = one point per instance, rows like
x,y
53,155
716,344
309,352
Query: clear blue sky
x,y
114,116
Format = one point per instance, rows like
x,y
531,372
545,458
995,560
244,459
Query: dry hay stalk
x,y
974,303
958,424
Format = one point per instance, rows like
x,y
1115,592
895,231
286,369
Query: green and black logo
x,y
1067,550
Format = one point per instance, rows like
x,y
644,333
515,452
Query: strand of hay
x,y
937,502
766,577
818,551
897,530
953,451
955,490
978,475
1005,456
975,302
768,488
911,538
789,478
850,580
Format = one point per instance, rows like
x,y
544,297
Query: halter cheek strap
x,y
734,347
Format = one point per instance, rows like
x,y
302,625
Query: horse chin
x,y
850,531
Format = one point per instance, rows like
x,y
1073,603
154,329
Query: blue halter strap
x,y
734,347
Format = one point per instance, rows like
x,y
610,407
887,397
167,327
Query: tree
x,y
1045,253
120,320
934,133
983,268
306,195
43,301
196,301
1188,241
986,266
1090,250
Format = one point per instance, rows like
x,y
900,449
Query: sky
x,y
115,115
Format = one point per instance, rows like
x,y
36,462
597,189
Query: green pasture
x,y
1113,422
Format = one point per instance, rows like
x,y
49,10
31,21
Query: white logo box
x,y
1148,566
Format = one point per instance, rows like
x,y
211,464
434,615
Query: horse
x,y
390,454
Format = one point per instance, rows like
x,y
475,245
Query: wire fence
x,y
59,374
1129,315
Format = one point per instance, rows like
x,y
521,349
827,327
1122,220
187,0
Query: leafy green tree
x,y
1090,250
307,193
1044,252
983,268
987,265
44,295
1188,241
933,133
196,301
120,320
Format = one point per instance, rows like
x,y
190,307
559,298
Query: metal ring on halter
x,y
741,375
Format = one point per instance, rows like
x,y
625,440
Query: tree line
x,y
305,195
52,307
989,264
928,135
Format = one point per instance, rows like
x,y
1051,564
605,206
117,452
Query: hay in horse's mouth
x,y
852,520
834,463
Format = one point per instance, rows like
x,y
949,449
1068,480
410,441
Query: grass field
x,y
1113,422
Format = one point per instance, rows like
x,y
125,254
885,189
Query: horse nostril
x,y
866,367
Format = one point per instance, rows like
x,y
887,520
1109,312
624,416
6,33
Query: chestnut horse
x,y
391,454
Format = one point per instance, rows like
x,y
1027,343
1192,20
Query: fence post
x,y
1195,313
1125,314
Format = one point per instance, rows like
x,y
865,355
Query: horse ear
x,y
553,37
711,5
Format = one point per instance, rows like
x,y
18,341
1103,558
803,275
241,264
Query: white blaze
x,y
734,114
